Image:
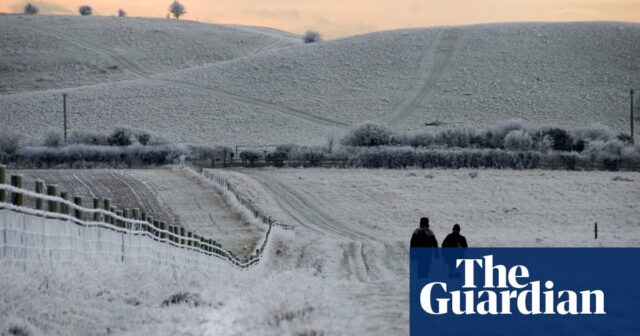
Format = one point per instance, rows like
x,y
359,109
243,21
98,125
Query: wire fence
x,y
121,233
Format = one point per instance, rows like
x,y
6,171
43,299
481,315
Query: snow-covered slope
x,y
44,52
568,74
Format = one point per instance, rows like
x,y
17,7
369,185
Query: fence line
x,y
124,221
211,176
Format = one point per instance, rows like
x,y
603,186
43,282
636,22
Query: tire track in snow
x,y
141,72
304,212
431,69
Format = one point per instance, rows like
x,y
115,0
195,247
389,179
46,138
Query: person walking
x,y
455,239
453,248
423,236
423,249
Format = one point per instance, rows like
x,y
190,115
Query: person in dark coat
x,y
423,236
455,239
453,248
423,239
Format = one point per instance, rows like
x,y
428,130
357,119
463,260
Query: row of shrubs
x,y
601,157
512,135
124,147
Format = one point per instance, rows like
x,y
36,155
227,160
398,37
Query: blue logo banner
x,y
525,291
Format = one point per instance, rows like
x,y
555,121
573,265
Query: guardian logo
x,y
503,289
525,291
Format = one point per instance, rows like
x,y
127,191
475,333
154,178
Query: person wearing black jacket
x,y
454,246
423,236
425,241
455,239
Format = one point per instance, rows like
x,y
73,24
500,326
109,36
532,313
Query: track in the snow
x,y
430,70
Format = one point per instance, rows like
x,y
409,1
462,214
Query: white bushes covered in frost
x,y
518,140
367,134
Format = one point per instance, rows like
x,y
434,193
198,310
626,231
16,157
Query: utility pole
x,y
64,112
631,117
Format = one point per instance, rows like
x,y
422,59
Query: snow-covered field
x,y
344,269
270,89
172,195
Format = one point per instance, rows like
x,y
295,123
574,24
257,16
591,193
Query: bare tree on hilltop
x,y
31,9
177,9
85,10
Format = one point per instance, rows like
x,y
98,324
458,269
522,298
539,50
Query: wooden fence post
x,y
156,226
119,222
52,190
64,208
171,229
17,198
163,226
106,206
77,213
39,190
113,219
595,229
149,224
196,243
96,205
3,180
126,213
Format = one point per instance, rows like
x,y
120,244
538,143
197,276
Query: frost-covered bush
x,y
401,157
416,139
85,10
9,142
87,138
562,140
121,13
367,134
177,9
311,36
31,9
53,138
276,158
458,137
121,136
207,152
594,132
250,156
518,140
99,156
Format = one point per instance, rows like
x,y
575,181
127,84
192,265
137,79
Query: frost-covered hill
x,y
44,52
568,74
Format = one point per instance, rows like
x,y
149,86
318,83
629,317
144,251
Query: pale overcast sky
x,y
338,18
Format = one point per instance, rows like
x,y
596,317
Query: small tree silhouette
x,y
31,9
121,13
177,9
85,10
311,37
